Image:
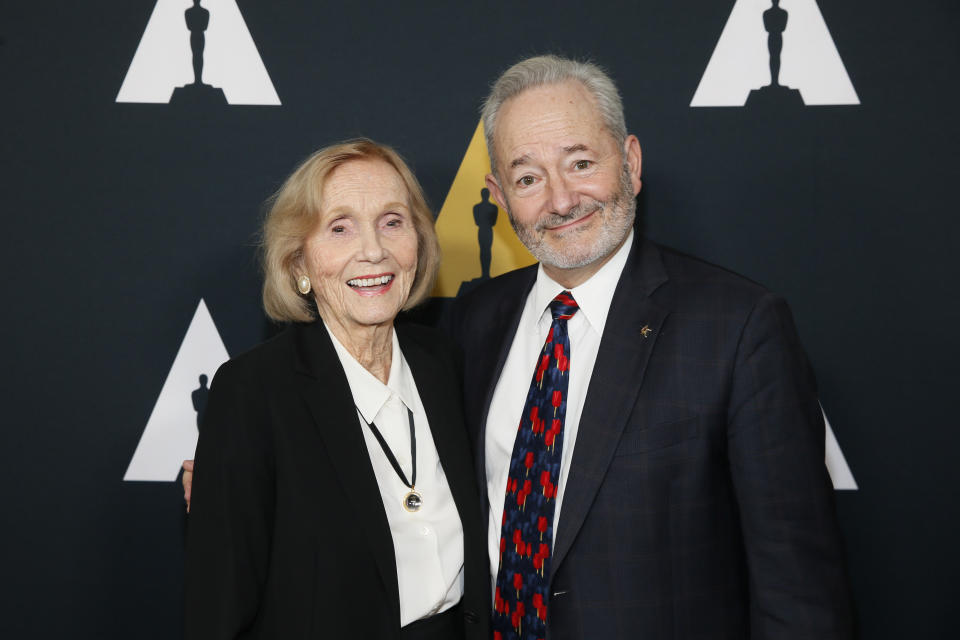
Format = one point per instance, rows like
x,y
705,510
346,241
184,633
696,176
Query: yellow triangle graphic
x,y
459,227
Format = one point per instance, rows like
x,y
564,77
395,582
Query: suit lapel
x,y
630,333
324,388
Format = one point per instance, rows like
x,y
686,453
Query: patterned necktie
x,y
526,534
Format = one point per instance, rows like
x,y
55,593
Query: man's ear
x,y
491,181
634,160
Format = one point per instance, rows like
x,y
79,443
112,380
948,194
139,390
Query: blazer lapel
x,y
445,420
629,336
324,388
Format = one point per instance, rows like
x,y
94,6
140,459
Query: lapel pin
x,y
646,331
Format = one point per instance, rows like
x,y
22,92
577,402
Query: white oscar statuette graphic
x,y
188,38
764,37
837,465
170,436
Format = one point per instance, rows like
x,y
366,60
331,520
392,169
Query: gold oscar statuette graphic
x,y
475,235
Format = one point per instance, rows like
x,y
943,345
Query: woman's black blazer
x,y
287,537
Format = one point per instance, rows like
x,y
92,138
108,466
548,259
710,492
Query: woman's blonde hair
x,y
293,215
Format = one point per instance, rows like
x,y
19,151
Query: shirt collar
x,y
593,296
369,394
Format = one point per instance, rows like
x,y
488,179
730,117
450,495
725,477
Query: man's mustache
x,y
575,213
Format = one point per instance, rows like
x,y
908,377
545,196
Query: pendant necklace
x,y
412,501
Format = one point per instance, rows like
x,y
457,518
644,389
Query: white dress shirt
x,y
428,544
585,329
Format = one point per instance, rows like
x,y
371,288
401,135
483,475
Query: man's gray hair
x,y
547,70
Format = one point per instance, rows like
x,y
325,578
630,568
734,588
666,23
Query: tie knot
x,y
563,306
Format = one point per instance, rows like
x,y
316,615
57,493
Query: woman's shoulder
x,y
270,356
429,344
431,338
432,356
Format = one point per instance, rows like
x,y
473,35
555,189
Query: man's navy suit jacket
x,y
698,504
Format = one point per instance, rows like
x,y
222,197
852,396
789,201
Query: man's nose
x,y
561,197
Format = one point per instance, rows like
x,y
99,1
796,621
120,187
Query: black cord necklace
x,y
413,500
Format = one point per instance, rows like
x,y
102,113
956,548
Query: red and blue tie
x,y
526,535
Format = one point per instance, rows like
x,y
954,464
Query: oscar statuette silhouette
x,y
775,23
199,398
485,217
197,19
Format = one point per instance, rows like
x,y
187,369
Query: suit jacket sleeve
x,y
798,585
230,521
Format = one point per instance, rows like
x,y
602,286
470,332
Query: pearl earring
x,y
303,285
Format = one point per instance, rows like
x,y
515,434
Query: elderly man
x,y
645,424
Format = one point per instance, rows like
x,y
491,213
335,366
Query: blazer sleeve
x,y
230,521
798,583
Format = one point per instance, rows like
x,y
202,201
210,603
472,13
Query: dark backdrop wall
x,y
127,200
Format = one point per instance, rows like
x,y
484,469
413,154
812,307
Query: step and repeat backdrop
x,y
809,145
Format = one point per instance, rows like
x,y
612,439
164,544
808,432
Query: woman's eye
x,y
339,228
582,164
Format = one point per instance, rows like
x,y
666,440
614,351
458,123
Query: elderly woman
x,y
335,494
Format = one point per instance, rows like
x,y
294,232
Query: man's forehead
x,y
568,97
562,116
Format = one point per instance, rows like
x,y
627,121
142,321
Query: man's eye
x,y
582,164
526,181
339,229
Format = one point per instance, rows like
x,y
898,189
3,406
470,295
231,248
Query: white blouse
x,y
427,544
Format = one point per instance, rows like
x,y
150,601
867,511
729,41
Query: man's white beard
x,y
615,216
